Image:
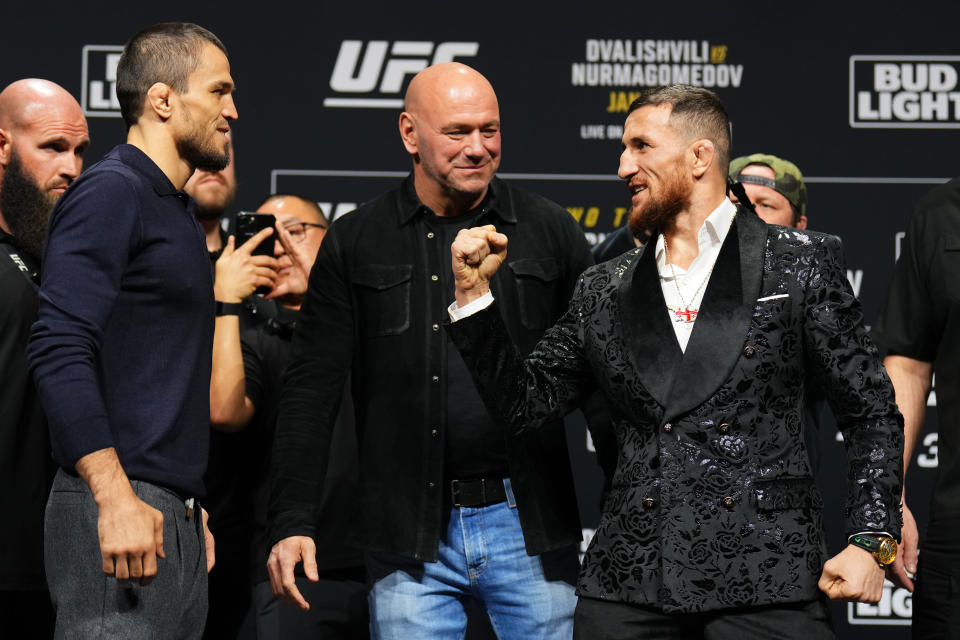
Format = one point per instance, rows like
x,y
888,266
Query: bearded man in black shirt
x,y
43,135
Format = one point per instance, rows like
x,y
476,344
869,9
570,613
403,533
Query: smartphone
x,y
250,224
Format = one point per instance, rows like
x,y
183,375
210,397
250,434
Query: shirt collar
x,y
493,202
715,227
140,162
712,232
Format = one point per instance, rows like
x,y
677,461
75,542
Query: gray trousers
x,y
91,604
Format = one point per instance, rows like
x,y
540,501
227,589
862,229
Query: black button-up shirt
x,y
376,293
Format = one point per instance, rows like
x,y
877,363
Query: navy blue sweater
x,y
122,345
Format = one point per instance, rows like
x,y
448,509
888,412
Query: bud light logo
x,y
905,92
895,608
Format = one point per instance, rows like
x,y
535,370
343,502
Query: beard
x,y
213,208
659,212
26,207
202,155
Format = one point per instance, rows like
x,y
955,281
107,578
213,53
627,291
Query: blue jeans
x,y
482,556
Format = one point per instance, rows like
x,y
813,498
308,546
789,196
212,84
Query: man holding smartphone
x,y
121,352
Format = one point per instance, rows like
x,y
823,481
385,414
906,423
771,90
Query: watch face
x,y
887,552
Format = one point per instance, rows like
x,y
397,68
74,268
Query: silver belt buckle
x,y
453,493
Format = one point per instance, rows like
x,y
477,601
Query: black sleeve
x,y
594,407
910,322
842,358
524,394
312,388
253,369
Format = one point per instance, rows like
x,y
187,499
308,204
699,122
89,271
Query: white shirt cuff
x,y
459,313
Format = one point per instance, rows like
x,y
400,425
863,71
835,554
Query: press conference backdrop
x,y
864,99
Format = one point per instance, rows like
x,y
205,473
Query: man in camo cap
x,y
775,187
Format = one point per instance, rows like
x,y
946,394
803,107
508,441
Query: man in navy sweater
x,y
121,352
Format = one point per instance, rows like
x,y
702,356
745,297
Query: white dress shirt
x,y
692,282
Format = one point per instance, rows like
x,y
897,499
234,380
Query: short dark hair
x,y
698,111
307,201
796,213
167,52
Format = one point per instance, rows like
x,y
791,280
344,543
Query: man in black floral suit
x,y
703,343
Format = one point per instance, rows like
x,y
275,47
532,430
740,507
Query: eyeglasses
x,y
298,230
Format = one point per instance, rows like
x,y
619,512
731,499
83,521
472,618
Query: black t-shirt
x,y
475,445
26,466
921,320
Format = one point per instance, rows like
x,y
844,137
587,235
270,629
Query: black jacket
x,y
375,307
713,503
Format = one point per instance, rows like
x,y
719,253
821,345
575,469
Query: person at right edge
x,y
919,323
702,343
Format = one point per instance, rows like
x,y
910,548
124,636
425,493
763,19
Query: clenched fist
x,y
476,253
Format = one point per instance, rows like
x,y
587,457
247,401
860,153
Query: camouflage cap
x,y
788,181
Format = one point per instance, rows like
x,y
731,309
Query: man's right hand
x,y
284,556
239,272
131,538
130,530
476,253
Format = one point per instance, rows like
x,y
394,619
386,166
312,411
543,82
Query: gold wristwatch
x,y
883,548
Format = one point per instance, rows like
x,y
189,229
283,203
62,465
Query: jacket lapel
x,y
725,313
650,339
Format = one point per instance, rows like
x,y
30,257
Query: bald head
x,y
285,204
24,100
451,129
43,135
443,83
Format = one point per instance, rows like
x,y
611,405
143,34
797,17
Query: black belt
x,y
479,492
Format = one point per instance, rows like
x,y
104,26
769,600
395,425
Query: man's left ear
x,y
159,99
704,154
6,145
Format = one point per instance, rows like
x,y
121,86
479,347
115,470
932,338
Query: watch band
x,y
228,308
884,549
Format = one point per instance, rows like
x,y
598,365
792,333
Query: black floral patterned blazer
x,y
713,503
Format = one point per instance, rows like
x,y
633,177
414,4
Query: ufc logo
x,y
360,70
